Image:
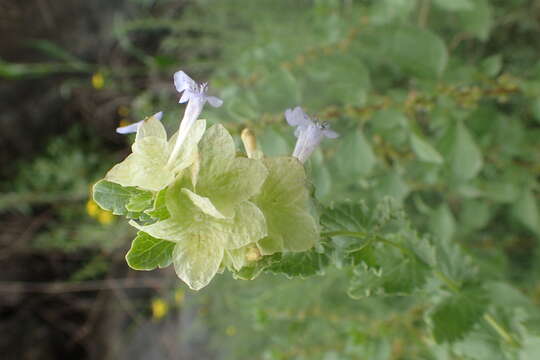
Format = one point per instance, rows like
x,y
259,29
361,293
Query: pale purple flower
x,y
132,128
195,96
309,133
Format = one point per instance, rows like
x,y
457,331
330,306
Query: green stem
x,y
500,330
451,284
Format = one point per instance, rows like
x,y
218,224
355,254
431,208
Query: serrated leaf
x,y
348,216
254,269
303,264
148,253
424,150
452,261
456,314
397,273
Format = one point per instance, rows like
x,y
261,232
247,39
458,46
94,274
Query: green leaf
x,y
159,207
386,11
273,144
140,201
392,185
418,52
254,269
478,20
456,314
464,158
424,150
115,198
148,253
453,5
303,264
525,209
354,157
442,223
452,261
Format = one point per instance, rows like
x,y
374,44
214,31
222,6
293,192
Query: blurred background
x,y
438,104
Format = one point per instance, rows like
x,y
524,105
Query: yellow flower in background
x,y
105,217
159,309
179,296
123,123
123,111
98,81
92,208
230,330
102,216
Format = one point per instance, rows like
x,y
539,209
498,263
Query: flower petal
x,y
330,134
214,101
182,81
297,117
129,129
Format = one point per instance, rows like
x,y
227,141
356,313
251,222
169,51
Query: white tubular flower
x,y
309,133
195,96
132,128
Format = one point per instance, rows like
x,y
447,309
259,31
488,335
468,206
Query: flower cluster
x,y
199,205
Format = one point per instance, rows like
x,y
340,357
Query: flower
x,y
195,96
132,128
211,214
309,132
159,308
147,166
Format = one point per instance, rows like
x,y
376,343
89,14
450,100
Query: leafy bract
x,y
284,200
197,259
456,314
147,167
201,236
222,177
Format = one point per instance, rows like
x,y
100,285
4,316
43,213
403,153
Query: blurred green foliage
x,y
438,104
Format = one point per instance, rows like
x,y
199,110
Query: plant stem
x,y
500,330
